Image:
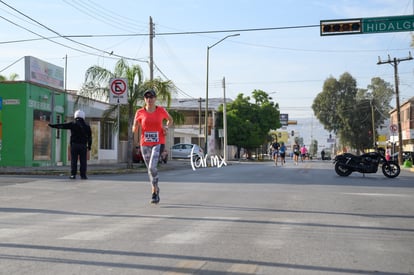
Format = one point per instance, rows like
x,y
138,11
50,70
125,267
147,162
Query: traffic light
x,y
292,133
335,27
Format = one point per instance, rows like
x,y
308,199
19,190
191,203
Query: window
x,y
195,140
107,137
177,140
42,138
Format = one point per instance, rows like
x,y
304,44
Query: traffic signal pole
x,y
375,25
394,62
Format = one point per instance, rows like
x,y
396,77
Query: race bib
x,y
151,137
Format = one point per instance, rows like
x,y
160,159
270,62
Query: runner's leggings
x,y
151,156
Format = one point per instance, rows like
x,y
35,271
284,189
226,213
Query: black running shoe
x,y
154,198
158,195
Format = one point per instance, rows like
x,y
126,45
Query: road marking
x,y
89,235
378,194
16,216
103,231
180,238
21,230
197,232
275,234
186,267
243,268
12,232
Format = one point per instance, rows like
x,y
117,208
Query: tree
x,y
313,148
382,93
12,77
96,86
248,124
346,110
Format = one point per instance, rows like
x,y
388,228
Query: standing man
x,y
80,143
150,120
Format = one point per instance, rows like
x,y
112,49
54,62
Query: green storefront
x,y
26,109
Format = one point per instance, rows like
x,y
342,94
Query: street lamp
x,y
206,112
224,121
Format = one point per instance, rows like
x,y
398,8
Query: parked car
x,y
137,155
406,155
183,151
163,154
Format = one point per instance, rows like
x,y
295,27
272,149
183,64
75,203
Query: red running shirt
x,y
152,131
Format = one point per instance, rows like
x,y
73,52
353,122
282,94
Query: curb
x,y
92,169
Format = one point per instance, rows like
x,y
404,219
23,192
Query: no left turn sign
x,y
118,88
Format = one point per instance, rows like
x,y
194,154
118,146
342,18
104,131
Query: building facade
x,y
26,140
193,128
407,125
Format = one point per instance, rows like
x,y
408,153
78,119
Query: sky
x,y
279,49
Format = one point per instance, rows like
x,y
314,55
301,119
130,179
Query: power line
x,y
194,32
90,12
178,89
26,40
62,36
99,13
240,30
11,64
68,37
43,37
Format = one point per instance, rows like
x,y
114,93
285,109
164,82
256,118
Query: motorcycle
x,y
347,163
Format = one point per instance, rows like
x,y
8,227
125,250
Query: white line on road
x,y
378,194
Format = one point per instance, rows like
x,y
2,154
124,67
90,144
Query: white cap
x,y
79,113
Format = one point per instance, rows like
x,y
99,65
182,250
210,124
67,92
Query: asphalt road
x,y
244,218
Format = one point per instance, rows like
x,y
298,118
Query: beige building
x,y
407,125
192,130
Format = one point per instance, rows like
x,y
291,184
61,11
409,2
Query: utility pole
x,y
394,62
224,120
373,124
151,57
199,121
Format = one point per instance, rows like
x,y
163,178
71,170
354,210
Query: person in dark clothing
x,y
80,142
275,148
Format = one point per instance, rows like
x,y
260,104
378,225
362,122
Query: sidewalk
x,y
113,168
94,169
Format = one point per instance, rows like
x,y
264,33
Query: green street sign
x,y
404,23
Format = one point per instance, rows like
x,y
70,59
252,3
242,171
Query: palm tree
x,y
12,77
96,86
